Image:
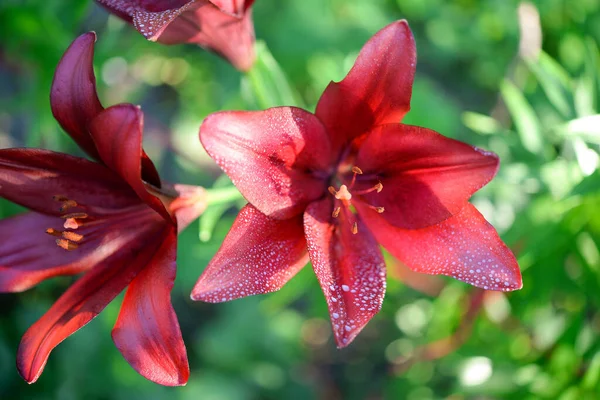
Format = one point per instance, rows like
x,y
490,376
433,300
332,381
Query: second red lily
x,y
112,219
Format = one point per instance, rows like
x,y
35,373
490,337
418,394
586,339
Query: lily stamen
x,y
378,209
67,204
357,171
54,232
378,187
75,237
66,244
75,215
336,212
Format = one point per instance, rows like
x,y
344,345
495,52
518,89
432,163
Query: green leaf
x,y
592,375
586,92
220,197
586,128
526,121
480,123
589,185
265,85
554,81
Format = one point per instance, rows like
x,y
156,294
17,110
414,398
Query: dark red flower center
x,y
343,199
68,239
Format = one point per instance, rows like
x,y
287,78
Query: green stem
x,y
222,195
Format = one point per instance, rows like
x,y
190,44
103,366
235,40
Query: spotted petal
x,y
87,297
259,255
377,89
350,269
426,177
277,158
147,331
232,37
465,247
222,26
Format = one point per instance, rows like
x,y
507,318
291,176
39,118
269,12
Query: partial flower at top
x,y
222,26
112,219
332,185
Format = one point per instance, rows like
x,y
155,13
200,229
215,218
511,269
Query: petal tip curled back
x,y
27,370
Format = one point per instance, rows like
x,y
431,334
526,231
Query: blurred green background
x,y
519,79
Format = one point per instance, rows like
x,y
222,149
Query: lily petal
x,y
117,133
232,37
276,157
30,256
222,26
150,18
31,177
189,205
87,297
376,91
259,255
147,331
426,177
233,7
465,247
73,96
350,269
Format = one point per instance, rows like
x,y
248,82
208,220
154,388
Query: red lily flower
x,y
104,218
340,181
222,26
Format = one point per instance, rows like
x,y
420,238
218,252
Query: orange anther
x,y
53,232
336,212
80,215
75,237
332,190
355,228
65,244
67,204
357,170
378,187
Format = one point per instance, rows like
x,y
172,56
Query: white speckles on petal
x,y
352,264
150,22
265,155
258,255
478,255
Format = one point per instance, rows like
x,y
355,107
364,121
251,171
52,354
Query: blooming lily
x,y
112,219
336,183
222,26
